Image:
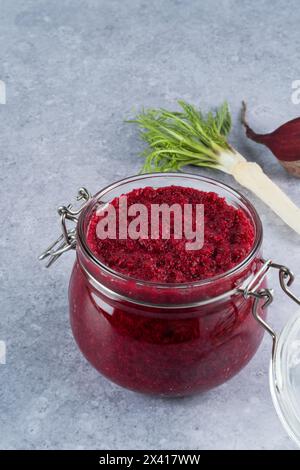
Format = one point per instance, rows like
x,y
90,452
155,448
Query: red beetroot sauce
x,y
228,239
172,352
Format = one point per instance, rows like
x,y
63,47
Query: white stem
x,y
229,159
251,176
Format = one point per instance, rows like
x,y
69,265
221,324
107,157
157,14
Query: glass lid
x,y
285,377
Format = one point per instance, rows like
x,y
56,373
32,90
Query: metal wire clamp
x,y
252,289
67,240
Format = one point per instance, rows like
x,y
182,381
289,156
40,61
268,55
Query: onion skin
x,y
292,167
284,142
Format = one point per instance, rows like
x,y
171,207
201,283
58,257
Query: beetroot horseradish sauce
x,y
155,317
228,239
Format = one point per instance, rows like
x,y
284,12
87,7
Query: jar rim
x,y
174,285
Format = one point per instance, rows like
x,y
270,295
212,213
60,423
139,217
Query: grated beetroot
x,y
162,338
228,239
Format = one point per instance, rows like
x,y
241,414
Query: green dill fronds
x,y
178,139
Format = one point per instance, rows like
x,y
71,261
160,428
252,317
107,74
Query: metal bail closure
x,y
286,279
67,240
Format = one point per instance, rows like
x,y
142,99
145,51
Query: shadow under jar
x,y
164,339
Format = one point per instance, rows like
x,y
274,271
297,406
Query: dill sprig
x,y
176,139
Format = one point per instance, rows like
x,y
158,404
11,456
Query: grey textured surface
x,y
73,71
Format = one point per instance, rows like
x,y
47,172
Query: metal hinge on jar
x,y
67,240
252,289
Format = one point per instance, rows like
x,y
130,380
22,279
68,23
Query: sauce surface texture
x,y
228,239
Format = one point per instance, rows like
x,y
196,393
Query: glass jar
x,y
166,339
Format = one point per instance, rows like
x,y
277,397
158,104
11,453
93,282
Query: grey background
x,y
74,70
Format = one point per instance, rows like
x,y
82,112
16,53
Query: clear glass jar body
x,y
164,339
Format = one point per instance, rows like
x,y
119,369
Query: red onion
x,y
284,142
